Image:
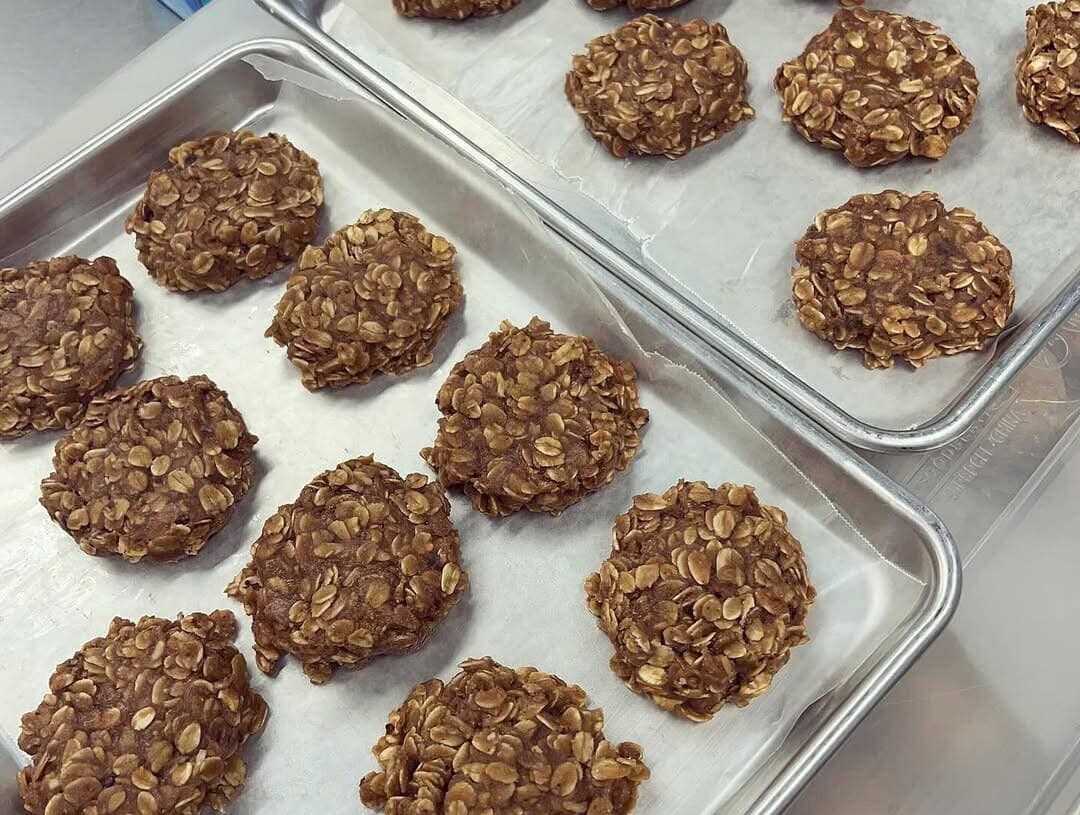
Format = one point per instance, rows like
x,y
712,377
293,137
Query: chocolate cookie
x,y
659,87
67,331
150,718
453,9
373,299
879,87
230,207
1048,71
535,420
362,564
898,276
704,595
151,471
501,741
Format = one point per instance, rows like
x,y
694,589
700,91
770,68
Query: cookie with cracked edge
x,y
67,332
363,563
899,277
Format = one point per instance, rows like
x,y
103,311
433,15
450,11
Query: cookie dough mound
x,y
879,87
704,595
635,5
151,471
899,276
363,563
659,87
535,420
501,741
150,718
230,207
373,299
67,331
453,9
1048,70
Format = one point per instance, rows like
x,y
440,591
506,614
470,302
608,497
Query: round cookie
x,y
453,9
230,207
150,718
520,741
659,87
704,595
535,420
373,299
879,87
1048,69
151,471
67,331
635,5
898,276
362,564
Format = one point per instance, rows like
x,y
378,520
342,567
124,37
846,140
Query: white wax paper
x,y
526,603
721,222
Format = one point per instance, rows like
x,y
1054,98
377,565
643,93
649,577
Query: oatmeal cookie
x,y
1048,71
229,207
535,420
363,563
67,332
659,87
151,471
501,741
899,276
150,718
879,87
373,299
704,595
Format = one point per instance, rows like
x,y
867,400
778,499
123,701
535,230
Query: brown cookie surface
x,y
879,87
229,207
363,563
151,471
704,595
1048,70
150,718
535,420
67,331
898,276
659,87
635,5
453,9
501,741
373,299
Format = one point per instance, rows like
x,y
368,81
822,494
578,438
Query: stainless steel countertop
x,y
57,50
988,721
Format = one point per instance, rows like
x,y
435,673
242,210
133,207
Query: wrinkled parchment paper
x,y
527,604
720,223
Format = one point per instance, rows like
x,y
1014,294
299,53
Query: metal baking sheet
x,y
886,570
713,232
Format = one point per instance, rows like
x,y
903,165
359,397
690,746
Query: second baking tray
x,y
885,568
708,237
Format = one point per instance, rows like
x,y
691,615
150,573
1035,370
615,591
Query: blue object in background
x,y
185,8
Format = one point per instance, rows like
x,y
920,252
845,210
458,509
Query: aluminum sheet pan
x,y
715,229
886,570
